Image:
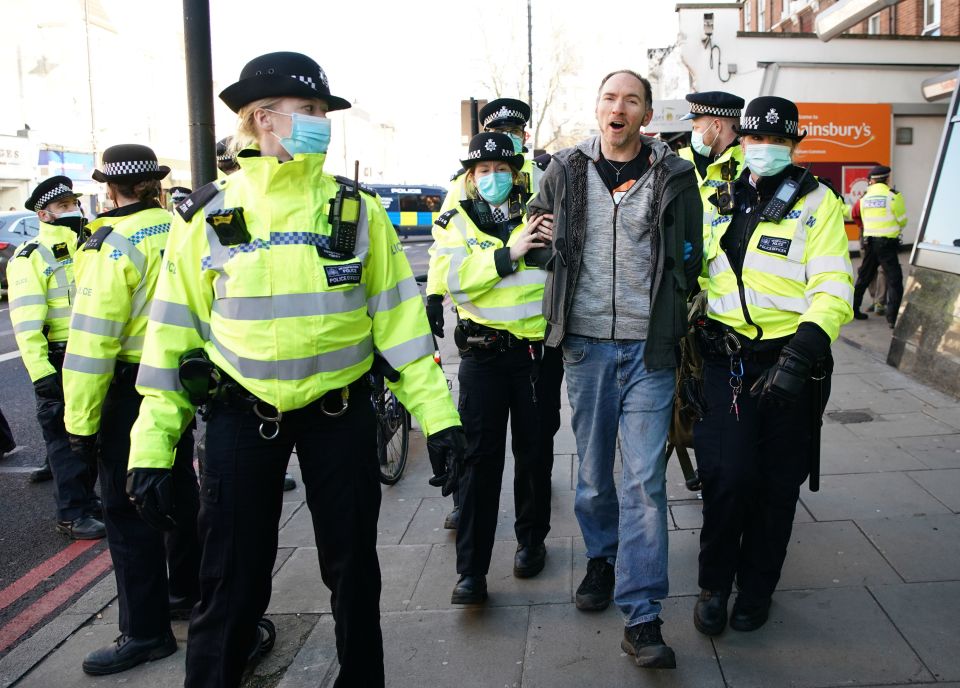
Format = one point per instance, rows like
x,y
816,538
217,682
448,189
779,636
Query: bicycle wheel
x,y
393,437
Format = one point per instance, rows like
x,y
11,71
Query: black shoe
x,y
95,509
289,483
469,590
83,528
452,521
860,316
710,612
41,475
127,652
181,607
529,561
748,615
596,589
264,642
891,325
645,643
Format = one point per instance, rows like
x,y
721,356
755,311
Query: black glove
x,y
783,383
435,314
447,449
49,387
151,491
84,445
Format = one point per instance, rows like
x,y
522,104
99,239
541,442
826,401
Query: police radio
x,y
345,215
783,199
725,192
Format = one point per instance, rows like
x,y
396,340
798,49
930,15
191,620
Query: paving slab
x,y
949,415
849,392
869,495
915,424
287,510
463,648
942,484
395,514
926,614
563,522
298,588
862,455
938,451
820,638
567,648
833,554
426,526
316,662
550,585
921,548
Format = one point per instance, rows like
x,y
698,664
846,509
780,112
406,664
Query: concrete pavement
x,y
870,593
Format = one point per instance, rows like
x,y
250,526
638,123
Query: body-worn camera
x,y
229,226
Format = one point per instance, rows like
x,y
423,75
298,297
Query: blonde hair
x,y
144,191
471,186
247,134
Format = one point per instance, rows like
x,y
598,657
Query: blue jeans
x,y
611,390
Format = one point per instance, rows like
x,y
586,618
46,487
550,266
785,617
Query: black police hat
x,y
879,172
716,103
130,162
492,146
178,193
278,75
504,112
772,116
50,190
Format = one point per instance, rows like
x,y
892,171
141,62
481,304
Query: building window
x,y
761,15
931,17
873,24
747,15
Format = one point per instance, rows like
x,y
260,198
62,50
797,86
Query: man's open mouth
x,y
617,124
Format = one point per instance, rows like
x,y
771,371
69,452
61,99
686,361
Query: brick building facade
x,y
906,18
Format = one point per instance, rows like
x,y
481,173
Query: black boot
x,y
710,612
127,652
749,615
530,560
645,643
596,588
83,528
469,589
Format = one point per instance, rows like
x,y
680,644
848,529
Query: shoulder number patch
x,y
96,240
445,218
338,275
777,245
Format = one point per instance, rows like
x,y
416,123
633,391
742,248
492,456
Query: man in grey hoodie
x,y
627,238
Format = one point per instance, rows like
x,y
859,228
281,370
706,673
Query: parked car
x,y
16,227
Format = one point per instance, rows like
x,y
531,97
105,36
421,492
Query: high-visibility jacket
x,y
882,212
116,271
274,312
794,271
486,286
41,292
457,192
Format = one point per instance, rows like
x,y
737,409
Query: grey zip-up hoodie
x,y
637,282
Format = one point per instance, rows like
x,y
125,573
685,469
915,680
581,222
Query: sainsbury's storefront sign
x,y
845,132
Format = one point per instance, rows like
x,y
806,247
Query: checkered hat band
x,y
503,113
127,167
698,109
504,153
790,126
56,192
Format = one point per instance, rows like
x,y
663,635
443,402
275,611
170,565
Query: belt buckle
x,y
267,419
344,404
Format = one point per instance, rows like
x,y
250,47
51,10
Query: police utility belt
x,y
471,335
718,342
204,383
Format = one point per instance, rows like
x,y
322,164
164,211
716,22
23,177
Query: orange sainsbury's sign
x,y
845,132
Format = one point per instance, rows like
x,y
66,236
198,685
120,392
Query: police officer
x,y
884,215
176,195
779,290
226,161
506,116
41,293
273,300
116,278
484,244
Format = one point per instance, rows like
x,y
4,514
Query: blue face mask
x,y
697,143
517,143
307,135
766,159
495,187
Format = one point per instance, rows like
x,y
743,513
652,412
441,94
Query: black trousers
x,y
877,252
74,476
241,496
7,443
495,387
752,470
140,552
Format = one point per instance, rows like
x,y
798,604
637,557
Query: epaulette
x,y
95,242
543,161
457,174
26,250
445,218
346,181
189,206
827,183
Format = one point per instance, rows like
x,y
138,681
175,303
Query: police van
x,y
412,209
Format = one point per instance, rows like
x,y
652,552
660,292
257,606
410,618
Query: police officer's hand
x,y
542,227
49,387
447,449
151,491
435,314
85,445
782,384
529,239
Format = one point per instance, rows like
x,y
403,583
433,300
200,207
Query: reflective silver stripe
x,y
811,202
86,364
718,264
179,315
775,266
27,326
290,305
32,300
296,368
450,251
56,292
724,304
63,312
453,271
56,269
94,325
139,305
411,350
839,289
165,379
133,343
391,298
126,247
503,313
363,230
522,278
820,264
779,303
